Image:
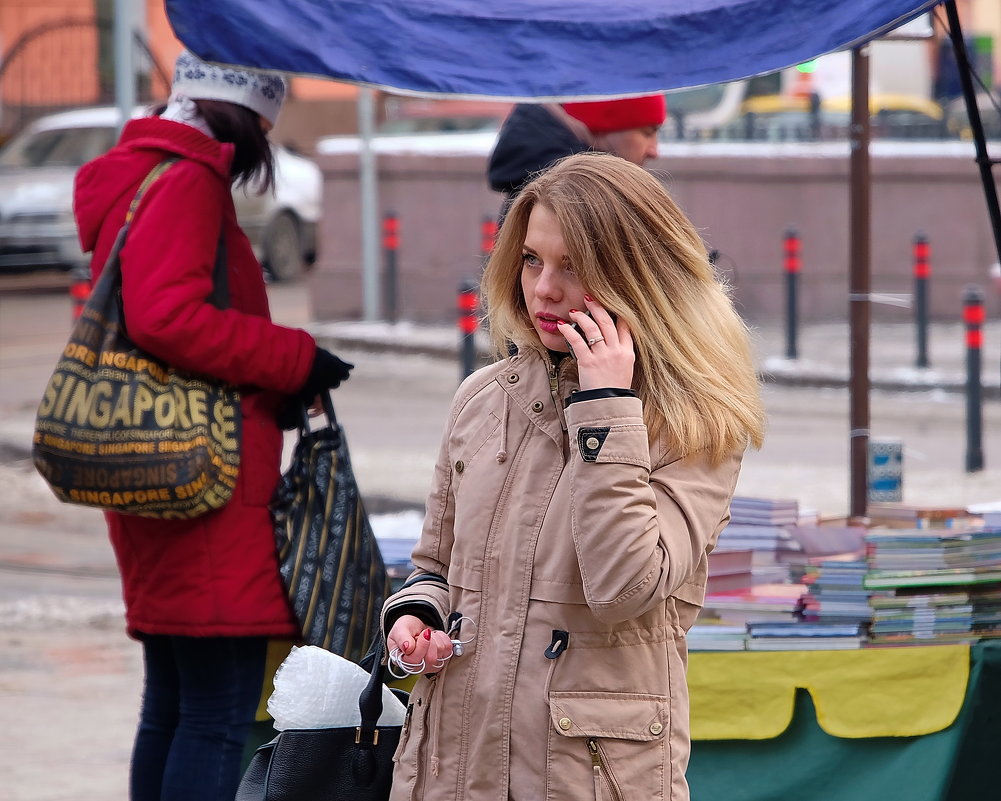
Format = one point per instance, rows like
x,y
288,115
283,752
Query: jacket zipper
x,y
599,768
422,746
554,390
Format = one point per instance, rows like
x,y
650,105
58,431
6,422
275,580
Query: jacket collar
x,y
528,378
154,133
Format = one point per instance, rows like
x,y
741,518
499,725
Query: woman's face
x,y
548,282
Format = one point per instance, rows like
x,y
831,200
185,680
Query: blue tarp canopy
x,y
539,49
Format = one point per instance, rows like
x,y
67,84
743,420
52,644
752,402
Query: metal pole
x,y
859,285
973,317
983,160
368,181
125,73
791,247
922,272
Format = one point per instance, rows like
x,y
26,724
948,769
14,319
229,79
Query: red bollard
x,y
390,246
488,236
467,304
973,317
79,293
922,272
792,265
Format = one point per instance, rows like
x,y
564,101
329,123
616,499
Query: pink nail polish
x,y
588,298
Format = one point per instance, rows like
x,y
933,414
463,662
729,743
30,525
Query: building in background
x,y
58,54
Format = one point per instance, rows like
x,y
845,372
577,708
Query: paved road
x,y
69,678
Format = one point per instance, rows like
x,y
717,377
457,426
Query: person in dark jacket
x,y
535,136
203,596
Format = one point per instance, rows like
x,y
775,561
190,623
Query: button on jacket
x,y
215,575
562,531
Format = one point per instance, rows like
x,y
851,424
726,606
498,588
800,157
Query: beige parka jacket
x,y
580,552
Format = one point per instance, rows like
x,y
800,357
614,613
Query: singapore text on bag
x,y
118,429
330,561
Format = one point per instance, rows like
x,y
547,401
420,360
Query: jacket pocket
x,y
466,447
607,746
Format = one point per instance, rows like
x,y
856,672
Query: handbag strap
x,y
151,176
328,410
370,700
220,271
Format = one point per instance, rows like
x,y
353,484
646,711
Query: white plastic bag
x,y
316,689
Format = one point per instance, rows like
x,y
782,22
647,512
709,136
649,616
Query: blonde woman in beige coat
x,y
580,486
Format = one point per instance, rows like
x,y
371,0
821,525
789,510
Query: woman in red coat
x,y
204,595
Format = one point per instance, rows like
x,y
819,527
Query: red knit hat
x,y
605,116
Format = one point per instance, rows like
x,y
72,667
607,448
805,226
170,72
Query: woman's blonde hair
x,y
637,254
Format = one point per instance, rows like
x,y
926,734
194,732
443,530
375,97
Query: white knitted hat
x,y
259,91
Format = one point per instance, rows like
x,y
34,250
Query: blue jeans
x,y
199,700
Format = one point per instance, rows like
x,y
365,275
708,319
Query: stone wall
x,y
742,204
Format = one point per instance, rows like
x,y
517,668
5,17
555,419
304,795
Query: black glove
x,y
326,373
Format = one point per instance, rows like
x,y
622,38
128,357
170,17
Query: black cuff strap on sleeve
x,y
598,394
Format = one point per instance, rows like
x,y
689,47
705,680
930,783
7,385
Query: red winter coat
x,y
216,575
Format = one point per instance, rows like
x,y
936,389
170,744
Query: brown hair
x,y
253,158
638,254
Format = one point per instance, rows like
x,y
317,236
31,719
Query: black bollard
x,y
390,246
792,264
922,272
467,305
973,317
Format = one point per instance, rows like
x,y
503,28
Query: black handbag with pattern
x,y
330,562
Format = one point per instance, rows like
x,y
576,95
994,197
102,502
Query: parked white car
x,y
37,168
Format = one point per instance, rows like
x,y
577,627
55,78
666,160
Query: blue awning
x,y
539,49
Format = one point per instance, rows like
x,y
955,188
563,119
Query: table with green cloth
x,y
916,723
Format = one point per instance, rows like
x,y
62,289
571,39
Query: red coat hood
x,y
100,183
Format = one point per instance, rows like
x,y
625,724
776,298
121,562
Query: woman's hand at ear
x,y
603,347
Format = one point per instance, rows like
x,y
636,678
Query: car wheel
x,y
283,258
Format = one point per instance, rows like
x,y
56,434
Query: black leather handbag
x,y
353,763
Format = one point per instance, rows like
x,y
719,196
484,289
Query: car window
x,y
63,147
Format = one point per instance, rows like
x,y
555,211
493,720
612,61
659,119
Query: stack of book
x,y
764,511
903,515
837,592
805,636
717,637
758,537
934,584
763,525
760,603
836,607
730,570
